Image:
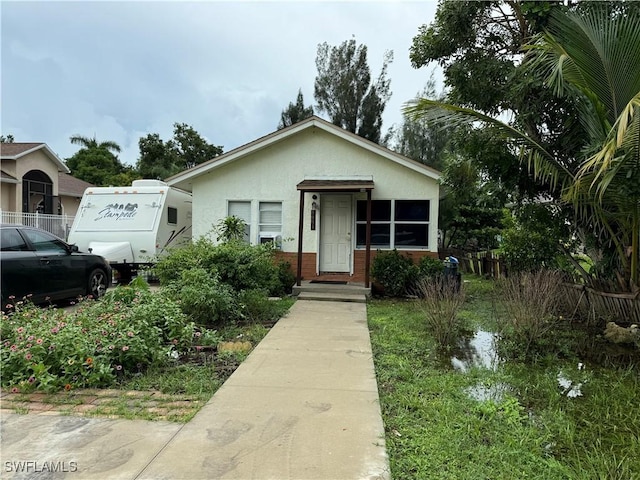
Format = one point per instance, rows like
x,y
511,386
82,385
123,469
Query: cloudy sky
x,y
121,70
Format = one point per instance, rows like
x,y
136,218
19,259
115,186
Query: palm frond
x,y
543,164
621,146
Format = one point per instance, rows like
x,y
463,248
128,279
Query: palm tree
x,y
96,162
594,59
92,143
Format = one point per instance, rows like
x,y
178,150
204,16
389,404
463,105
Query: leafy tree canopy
x,y
159,159
418,140
480,46
470,215
344,89
97,162
6,138
586,66
295,112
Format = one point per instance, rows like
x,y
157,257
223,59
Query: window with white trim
x,y
242,210
270,222
394,223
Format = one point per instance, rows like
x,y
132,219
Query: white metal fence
x,y
59,225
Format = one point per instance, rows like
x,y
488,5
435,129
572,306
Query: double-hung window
x,y
270,222
394,223
242,210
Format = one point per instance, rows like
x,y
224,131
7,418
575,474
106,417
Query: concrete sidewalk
x,y
303,405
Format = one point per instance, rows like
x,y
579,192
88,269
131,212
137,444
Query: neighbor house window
x,y
394,223
242,210
270,222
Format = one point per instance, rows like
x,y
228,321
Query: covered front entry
x,y
335,234
335,246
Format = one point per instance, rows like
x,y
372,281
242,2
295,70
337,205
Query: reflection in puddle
x,y
478,351
488,393
570,388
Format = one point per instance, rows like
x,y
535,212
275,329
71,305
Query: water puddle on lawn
x,y
478,351
571,388
488,393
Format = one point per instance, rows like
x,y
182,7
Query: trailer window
x,y
172,215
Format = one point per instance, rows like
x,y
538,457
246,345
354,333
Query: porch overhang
x,y
338,186
335,185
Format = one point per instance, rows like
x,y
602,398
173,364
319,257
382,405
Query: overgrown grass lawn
x,y
516,421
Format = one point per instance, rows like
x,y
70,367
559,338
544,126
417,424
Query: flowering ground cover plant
x,y
126,332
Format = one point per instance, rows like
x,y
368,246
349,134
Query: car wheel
x,y
97,283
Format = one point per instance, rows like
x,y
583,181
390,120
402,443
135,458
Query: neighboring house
x,y
36,187
330,199
70,191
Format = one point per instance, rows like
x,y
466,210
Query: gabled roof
x,y
14,151
280,135
71,186
7,178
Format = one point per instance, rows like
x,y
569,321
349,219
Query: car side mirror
x,y
73,248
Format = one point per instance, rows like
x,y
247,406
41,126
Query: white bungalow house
x,y
330,199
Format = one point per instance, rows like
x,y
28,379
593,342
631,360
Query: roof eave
x,y
181,179
48,152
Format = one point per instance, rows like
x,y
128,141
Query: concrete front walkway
x,y
303,405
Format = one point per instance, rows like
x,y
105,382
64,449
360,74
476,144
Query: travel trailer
x,y
132,226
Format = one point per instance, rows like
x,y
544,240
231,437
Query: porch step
x,y
348,289
333,297
330,292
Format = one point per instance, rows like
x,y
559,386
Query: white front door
x,y
335,233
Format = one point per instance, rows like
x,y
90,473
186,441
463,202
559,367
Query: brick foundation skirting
x,y
309,264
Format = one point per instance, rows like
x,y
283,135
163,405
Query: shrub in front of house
x,y
124,333
398,275
430,267
441,300
237,264
395,272
246,267
287,279
255,307
531,303
197,254
203,297
222,283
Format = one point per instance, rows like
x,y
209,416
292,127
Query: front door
x,y
335,233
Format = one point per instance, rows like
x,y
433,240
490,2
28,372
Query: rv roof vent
x,y
148,183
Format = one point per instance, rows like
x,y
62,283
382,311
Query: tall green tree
x,y
479,45
470,214
295,112
418,140
97,162
159,159
589,58
344,89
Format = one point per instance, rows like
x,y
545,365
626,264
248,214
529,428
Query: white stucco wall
x,y
272,174
8,197
69,204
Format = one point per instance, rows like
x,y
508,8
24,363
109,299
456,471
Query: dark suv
x,y
35,262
